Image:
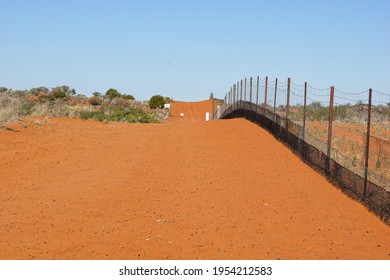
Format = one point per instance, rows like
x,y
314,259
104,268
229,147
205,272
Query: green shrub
x,y
46,97
145,118
38,90
128,97
27,107
58,94
340,112
94,115
112,93
315,111
156,101
95,101
118,114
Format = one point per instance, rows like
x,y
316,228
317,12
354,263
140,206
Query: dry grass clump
x,y
10,110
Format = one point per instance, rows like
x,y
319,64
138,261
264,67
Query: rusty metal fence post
x,y
329,144
265,95
245,91
276,90
288,105
228,99
241,94
257,92
234,96
250,91
237,97
304,112
367,144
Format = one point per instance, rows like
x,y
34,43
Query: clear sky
x,y
187,49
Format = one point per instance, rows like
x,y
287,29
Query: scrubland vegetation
x,y
64,102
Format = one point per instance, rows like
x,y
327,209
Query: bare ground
x,y
186,189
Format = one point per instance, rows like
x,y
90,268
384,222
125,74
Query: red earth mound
x,y
185,189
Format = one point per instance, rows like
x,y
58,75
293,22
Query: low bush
x,y
112,93
156,101
95,101
27,107
46,97
10,110
118,114
127,97
118,101
94,115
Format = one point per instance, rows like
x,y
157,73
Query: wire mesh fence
x,y
346,135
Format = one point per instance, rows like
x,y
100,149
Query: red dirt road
x,y
185,189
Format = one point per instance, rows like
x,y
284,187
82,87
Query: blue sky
x,y
187,49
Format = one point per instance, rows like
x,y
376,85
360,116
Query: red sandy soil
x,y
185,189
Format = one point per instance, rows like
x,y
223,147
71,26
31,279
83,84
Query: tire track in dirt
x,y
186,189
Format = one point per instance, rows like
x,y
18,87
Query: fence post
x,y
250,91
265,95
225,102
245,91
257,92
367,144
241,94
234,96
231,97
329,145
276,90
228,100
304,112
238,89
288,103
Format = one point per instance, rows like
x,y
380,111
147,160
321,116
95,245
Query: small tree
x,y
97,94
38,90
156,101
63,91
112,93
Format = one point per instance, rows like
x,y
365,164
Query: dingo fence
x,y
346,136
